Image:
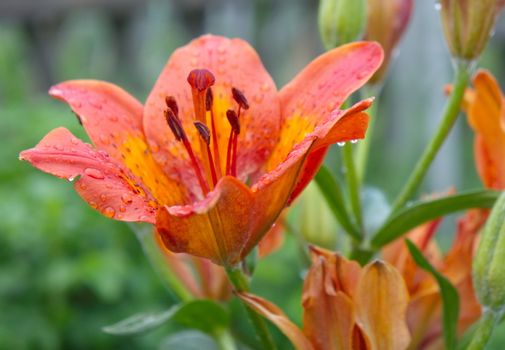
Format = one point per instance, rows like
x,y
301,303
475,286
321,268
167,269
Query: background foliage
x,y
66,271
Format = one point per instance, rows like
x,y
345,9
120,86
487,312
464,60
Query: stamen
x,y
232,117
209,100
175,125
204,132
239,97
172,104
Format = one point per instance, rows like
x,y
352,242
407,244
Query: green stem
x,y
364,145
353,186
225,340
145,235
484,329
450,114
241,284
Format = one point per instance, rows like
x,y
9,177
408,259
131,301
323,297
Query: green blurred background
x,y
66,271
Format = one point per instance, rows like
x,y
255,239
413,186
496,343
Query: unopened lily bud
x,y
489,262
468,25
316,221
341,21
387,21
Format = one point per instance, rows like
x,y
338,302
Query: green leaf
x,y
204,315
423,211
450,297
335,199
141,322
188,340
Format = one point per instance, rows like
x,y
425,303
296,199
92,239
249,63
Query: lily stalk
x,y
449,117
152,250
486,325
240,283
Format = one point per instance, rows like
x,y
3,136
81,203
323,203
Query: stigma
x,y
208,169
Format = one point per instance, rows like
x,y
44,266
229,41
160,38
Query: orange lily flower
x,y
215,153
345,306
425,308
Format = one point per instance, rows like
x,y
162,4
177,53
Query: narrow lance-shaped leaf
x,y
450,297
335,199
204,315
424,211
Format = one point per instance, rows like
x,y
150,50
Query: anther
x,y
209,98
172,104
239,97
232,117
204,132
201,79
175,125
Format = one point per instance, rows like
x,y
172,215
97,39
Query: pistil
x,y
231,155
209,100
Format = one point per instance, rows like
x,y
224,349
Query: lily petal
x,y
234,63
381,298
215,228
103,184
320,89
113,121
329,317
486,115
277,317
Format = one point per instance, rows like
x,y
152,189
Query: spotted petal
x,y
102,183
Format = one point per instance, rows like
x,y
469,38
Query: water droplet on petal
x,y
74,140
258,98
340,144
331,106
221,50
109,212
113,118
265,87
122,208
126,198
94,173
93,205
103,197
354,141
83,186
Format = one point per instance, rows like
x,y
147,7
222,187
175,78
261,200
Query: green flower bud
x,y
468,25
316,221
489,262
341,21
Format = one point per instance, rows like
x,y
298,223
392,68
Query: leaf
x,y
141,322
204,315
423,211
335,199
188,340
450,297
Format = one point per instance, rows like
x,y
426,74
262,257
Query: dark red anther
x,y
239,97
204,131
175,125
233,120
201,79
209,98
172,104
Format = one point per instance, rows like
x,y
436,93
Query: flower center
x,y
209,171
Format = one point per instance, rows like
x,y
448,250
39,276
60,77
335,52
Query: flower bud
x,y
468,25
341,21
316,221
489,262
386,23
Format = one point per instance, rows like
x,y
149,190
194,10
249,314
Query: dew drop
x,y
83,186
340,144
74,140
109,212
93,205
265,87
126,198
258,98
220,70
103,197
113,118
94,173
194,62
221,50
331,106
122,208
354,141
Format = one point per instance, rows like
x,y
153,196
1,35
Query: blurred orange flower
x,y
184,160
345,306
